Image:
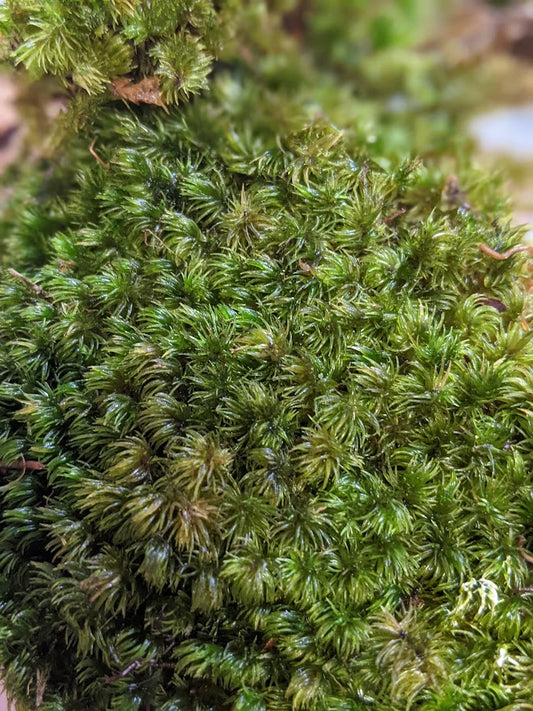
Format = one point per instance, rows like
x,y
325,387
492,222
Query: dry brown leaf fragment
x,y
307,268
495,303
146,91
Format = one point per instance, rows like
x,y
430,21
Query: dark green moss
x,y
282,401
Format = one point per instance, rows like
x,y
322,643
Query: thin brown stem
x,y
139,662
32,286
22,465
501,256
96,156
394,215
131,667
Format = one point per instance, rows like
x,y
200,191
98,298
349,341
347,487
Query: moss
x,y
265,434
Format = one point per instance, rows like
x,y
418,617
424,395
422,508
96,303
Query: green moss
x,y
282,401
87,45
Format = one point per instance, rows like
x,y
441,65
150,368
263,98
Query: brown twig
x,y
139,662
22,465
96,156
239,349
501,256
150,232
394,215
37,290
131,667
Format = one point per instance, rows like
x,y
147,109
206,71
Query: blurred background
x,y
431,77
435,78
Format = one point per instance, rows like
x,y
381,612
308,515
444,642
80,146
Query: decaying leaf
x,y
146,91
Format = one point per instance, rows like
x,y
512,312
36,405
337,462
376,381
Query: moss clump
x,y
265,419
90,44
